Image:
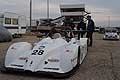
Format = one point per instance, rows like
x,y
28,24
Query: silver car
x,y
111,34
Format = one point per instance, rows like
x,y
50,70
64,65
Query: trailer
x,y
15,23
73,11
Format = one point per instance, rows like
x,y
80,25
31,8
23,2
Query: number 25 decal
x,y
37,52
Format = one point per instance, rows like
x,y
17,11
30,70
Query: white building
x,y
15,23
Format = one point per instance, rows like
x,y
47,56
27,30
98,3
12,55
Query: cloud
x,y
103,15
41,10
100,9
19,6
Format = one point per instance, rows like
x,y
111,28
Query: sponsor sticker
x,y
53,60
23,58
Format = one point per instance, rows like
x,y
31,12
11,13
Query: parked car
x,y
111,34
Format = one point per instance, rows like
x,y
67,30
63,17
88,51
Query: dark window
x,y
15,21
72,9
11,27
7,20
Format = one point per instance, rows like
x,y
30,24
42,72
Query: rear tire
x,y
79,52
3,69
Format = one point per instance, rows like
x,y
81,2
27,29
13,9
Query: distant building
x,y
73,11
15,23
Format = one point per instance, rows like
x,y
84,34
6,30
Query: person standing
x,y
81,26
72,25
37,23
90,30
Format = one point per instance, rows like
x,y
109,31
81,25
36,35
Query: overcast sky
x,y
101,10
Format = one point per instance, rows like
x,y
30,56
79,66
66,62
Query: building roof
x,y
72,6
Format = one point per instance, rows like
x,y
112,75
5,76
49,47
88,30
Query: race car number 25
x,y
38,52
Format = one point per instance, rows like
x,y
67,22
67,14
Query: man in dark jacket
x,y
81,26
90,29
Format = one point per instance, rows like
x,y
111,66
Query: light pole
x,y
48,14
30,15
48,9
109,21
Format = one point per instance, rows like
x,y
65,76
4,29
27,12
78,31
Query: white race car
x,y
111,34
56,55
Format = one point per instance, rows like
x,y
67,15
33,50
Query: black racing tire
x,y
3,69
79,52
104,39
87,49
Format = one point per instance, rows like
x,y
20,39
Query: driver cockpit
x,y
61,32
